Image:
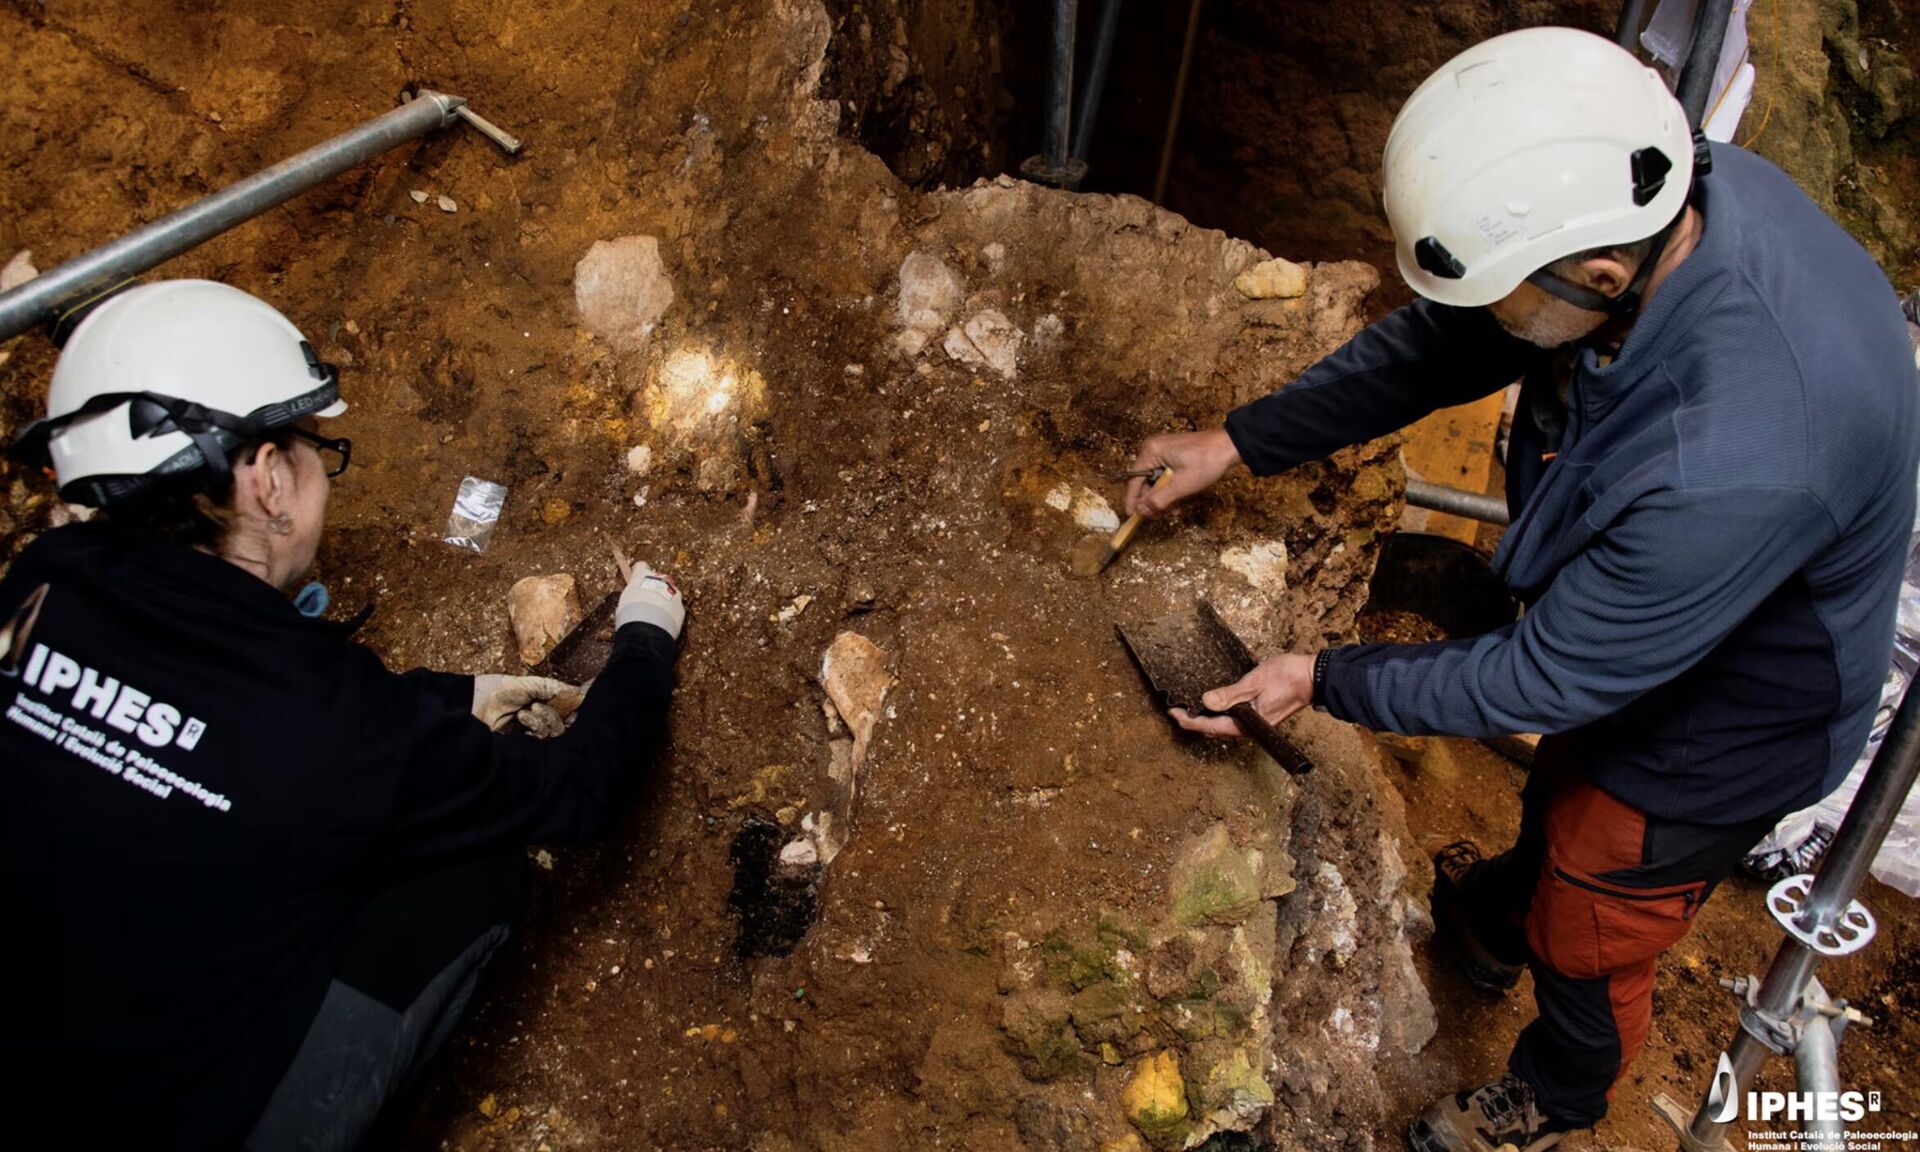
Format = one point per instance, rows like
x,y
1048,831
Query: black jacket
x,y
200,786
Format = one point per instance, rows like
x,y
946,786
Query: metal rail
x,y
1084,116
1054,165
1627,32
1457,502
46,296
1165,172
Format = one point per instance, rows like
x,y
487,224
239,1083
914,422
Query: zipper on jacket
x,y
1690,895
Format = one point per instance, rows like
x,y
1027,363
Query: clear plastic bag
x,y
476,509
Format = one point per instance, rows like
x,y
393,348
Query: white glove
x,y
498,699
650,598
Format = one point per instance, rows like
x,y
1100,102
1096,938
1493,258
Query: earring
x,y
281,524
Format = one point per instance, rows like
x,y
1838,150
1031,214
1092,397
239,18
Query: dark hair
x,y
194,511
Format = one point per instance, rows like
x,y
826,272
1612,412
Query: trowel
x,y
581,653
1187,654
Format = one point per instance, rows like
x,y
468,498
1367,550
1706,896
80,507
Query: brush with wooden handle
x,y
1092,555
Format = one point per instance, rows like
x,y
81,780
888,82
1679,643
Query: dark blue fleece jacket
x,y
1708,532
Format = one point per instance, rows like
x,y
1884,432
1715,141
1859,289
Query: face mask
x,y
311,601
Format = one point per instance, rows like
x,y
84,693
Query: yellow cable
x,y
1779,77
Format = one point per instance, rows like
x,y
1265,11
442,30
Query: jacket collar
x,y
1683,299
178,579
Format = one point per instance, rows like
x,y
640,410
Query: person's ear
x,y
1603,274
271,478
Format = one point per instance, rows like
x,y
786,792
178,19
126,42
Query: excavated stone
x,y
1229,1088
987,340
1155,1100
1274,279
1264,564
543,610
930,293
18,271
854,673
622,290
1091,511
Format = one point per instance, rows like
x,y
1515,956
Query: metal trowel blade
x,y
582,652
1185,654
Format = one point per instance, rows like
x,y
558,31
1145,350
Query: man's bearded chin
x,y
1551,326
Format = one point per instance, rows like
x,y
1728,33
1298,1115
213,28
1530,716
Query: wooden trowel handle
x,y
1124,535
1268,737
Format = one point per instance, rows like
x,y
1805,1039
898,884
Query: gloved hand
x,y
650,598
498,699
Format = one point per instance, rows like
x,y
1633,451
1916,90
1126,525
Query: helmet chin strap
x,y
1618,307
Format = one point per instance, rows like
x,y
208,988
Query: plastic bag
x,y
476,509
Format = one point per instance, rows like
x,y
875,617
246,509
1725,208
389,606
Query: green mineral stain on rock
x,y
1214,883
1082,966
1103,1014
1234,1084
1039,1035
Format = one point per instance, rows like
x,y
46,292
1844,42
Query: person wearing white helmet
x,y
1711,481
258,875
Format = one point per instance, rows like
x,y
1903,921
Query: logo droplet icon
x,y
1723,1099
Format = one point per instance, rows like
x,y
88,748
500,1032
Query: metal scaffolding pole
x,y
47,296
1787,1011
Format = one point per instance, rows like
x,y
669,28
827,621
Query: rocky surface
x,y
1834,106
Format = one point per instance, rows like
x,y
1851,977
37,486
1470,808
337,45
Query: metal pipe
x,y
1096,79
1179,100
1746,1054
1710,22
1627,32
1783,989
1053,149
45,296
1456,502
1882,791
1817,1060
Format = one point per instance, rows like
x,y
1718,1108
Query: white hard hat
x,y
167,380
1526,149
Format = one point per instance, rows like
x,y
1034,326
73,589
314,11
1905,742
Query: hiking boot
x,y
1501,1114
1483,969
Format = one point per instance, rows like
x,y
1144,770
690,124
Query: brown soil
x,y
1023,807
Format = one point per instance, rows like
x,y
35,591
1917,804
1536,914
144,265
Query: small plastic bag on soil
x,y
476,509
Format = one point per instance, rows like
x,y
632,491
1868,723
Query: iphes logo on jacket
x,y
75,694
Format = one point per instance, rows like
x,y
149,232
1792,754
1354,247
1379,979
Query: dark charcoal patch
x,y
775,905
